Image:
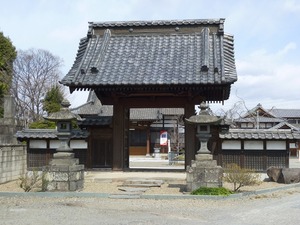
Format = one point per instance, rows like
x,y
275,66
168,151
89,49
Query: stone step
x,y
125,196
143,183
133,189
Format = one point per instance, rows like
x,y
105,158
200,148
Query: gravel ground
x,y
281,207
112,187
277,208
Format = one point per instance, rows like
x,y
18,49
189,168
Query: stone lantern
x,y
64,172
204,171
203,121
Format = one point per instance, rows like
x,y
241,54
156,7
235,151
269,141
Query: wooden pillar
x,y
148,141
242,156
287,156
190,136
118,136
265,155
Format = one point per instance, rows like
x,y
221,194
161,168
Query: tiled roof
x,y
99,120
93,107
181,57
47,134
172,111
259,134
286,124
111,24
260,119
286,113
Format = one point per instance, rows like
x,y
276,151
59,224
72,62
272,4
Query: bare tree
x,y
174,134
35,72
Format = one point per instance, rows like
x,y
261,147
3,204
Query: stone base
x,y
64,159
64,177
204,172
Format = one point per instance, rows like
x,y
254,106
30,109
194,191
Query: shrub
x,y
211,191
33,180
240,177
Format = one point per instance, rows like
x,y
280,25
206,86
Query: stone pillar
x,y
7,123
204,172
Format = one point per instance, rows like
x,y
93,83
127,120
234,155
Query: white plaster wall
x,y
54,144
253,145
37,144
231,145
78,144
276,145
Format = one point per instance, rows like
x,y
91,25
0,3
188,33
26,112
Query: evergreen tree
x,y
53,99
7,56
51,103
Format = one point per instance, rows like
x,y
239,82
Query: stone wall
x,y
12,162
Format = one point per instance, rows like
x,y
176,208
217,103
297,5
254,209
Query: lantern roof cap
x,y
64,114
204,117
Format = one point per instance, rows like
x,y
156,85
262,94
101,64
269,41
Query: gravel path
x,y
278,208
112,187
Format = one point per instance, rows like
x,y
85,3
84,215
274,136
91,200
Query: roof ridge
x,y
137,23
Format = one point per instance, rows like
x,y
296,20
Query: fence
x,y
255,160
38,158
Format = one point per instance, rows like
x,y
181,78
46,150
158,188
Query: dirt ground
x,y
171,187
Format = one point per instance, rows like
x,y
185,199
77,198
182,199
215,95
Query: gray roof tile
x,y
259,119
93,107
154,58
286,113
260,134
47,134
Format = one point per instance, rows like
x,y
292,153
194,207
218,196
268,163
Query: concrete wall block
x,y
12,162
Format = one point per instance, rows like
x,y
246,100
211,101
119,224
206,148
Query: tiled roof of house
x,y
94,108
259,134
98,120
183,56
286,113
47,134
110,24
287,125
259,119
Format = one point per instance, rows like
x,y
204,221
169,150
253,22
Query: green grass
x,y
212,191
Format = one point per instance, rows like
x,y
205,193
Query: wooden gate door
x,y
102,153
100,148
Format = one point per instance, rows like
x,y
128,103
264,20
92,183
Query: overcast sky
x,y
266,36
